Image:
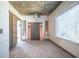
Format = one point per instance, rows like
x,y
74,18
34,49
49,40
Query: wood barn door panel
x,y
12,30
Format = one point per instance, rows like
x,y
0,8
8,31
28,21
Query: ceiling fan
x,y
36,14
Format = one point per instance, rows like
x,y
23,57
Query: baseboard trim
x,y
63,49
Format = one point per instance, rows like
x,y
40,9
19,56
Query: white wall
x,y
4,24
67,45
32,19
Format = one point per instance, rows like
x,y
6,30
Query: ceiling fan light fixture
x,y
36,15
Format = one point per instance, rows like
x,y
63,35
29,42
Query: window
x,y
67,24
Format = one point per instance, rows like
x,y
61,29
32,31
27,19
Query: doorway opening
x,y
18,31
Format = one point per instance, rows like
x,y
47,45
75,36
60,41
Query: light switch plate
x,y
1,31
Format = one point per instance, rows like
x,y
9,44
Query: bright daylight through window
x,y
67,24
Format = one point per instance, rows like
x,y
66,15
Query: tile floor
x,y
38,49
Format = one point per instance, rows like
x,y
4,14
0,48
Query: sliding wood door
x,y
12,30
